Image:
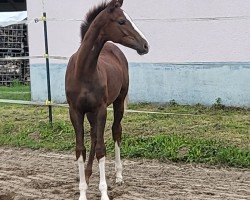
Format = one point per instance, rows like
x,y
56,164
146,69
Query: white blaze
x,y
134,26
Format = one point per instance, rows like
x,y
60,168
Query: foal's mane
x,y
91,15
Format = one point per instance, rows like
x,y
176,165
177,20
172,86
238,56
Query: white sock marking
x,y
103,184
134,26
118,164
82,185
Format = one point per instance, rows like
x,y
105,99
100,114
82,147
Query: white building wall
x,y
169,25
178,32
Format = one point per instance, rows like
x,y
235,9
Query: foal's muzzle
x,y
143,48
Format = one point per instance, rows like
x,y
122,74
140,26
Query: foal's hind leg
x,y
77,121
92,122
118,106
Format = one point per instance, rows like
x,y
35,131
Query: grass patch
x,y
41,135
214,135
15,92
183,149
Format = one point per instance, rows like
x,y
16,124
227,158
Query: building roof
x,y
12,5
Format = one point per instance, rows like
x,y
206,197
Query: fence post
x,y
48,102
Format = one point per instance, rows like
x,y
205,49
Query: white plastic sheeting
x,y
9,18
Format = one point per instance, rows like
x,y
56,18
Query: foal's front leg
x,y
77,121
101,151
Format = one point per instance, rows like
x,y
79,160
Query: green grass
x,y
184,149
214,135
15,92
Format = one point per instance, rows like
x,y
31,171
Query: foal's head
x,y
120,28
117,26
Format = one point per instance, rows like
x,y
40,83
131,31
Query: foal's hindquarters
x,y
97,147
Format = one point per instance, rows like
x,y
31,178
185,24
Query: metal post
x,y
47,66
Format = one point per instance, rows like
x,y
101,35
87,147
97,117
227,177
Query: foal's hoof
x,y
119,181
105,197
82,198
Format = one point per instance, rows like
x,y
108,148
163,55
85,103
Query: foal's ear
x,y
114,4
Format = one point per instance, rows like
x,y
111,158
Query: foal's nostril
x,y
145,47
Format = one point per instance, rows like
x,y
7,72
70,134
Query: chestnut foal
x,y
97,75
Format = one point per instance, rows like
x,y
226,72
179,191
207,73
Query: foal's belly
x,y
114,80
114,88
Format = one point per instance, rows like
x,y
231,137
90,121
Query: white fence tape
x,y
109,109
34,57
170,20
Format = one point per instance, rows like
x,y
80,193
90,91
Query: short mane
x,y
91,15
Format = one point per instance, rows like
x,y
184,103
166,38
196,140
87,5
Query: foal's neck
x,y
90,49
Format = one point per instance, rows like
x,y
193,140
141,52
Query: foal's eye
x,y
122,22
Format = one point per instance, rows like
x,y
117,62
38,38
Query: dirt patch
x,y
7,196
28,175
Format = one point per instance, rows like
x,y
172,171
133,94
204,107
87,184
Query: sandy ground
x,y
28,175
